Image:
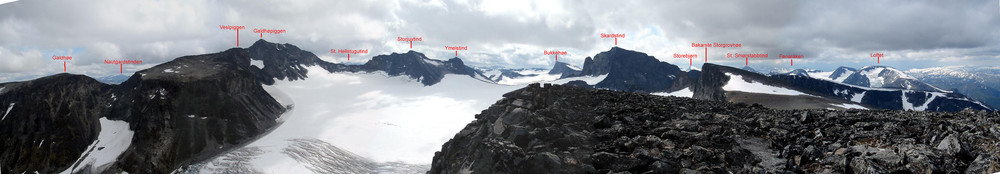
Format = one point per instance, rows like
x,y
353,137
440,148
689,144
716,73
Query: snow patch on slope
x,y
857,97
258,63
738,83
539,76
591,80
822,75
574,67
8,111
686,92
850,106
435,63
874,80
115,138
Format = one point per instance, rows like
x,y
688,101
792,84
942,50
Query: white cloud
x,y
506,33
20,61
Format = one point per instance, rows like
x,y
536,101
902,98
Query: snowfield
x,y
738,83
389,121
258,63
115,138
850,106
540,76
686,92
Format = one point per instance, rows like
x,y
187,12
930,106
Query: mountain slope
x,y
49,121
177,123
980,83
561,129
842,73
164,117
716,78
565,70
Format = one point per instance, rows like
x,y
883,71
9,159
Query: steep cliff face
x,y
562,129
710,82
633,71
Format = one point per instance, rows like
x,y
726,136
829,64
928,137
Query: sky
x,y
509,33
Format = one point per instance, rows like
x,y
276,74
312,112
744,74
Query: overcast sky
x,y
510,33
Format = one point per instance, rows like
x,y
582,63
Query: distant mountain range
x,y
977,82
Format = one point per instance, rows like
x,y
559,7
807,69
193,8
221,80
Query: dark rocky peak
x,y
565,69
283,61
617,57
418,66
634,71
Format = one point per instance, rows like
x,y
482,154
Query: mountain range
x,y
195,111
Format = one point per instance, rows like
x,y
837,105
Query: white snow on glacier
x,y
381,118
115,138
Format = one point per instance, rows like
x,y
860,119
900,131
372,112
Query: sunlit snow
x,y
738,83
115,138
385,119
686,92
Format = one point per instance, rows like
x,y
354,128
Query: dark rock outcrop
x,y
633,71
562,129
416,65
282,61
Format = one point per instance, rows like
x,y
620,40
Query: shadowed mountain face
x,y
633,71
286,61
181,111
417,66
562,129
47,122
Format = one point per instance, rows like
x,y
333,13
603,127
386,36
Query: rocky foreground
x,y
563,129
